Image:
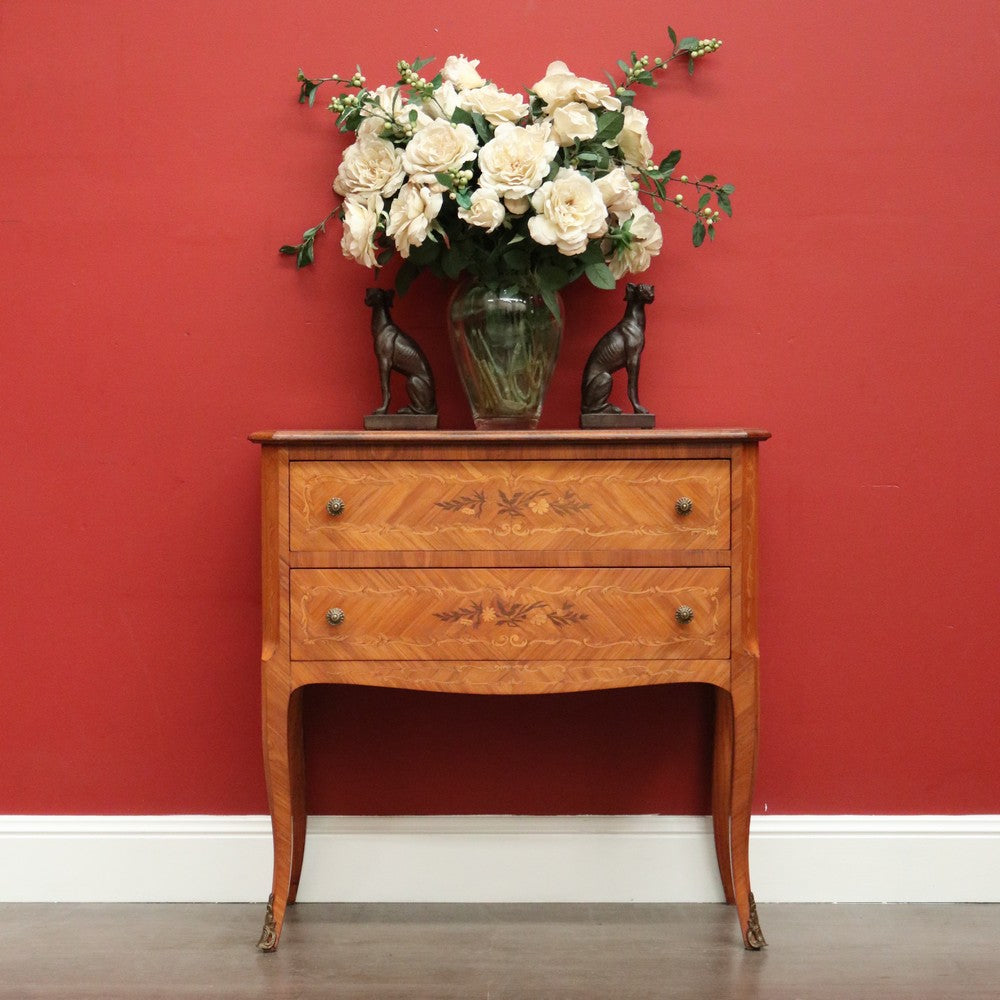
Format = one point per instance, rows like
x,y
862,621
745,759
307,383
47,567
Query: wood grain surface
x,y
490,505
503,564
481,614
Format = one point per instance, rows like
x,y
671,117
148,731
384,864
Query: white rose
x,y
494,104
571,122
561,86
617,191
442,103
361,219
486,211
633,140
647,241
462,73
391,106
370,166
438,148
411,214
516,161
570,212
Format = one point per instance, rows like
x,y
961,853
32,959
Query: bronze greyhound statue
x,y
619,348
399,352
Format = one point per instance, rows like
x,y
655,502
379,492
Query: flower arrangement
x,y
459,177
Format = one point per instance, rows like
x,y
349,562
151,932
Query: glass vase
x,y
505,343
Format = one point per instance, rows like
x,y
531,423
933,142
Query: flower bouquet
x,y
519,195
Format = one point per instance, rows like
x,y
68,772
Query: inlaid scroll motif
x,y
519,504
499,614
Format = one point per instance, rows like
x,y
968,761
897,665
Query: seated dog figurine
x,y
397,351
619,348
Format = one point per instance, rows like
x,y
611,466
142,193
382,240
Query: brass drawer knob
x,y
684,614
684,505
335,616
335,507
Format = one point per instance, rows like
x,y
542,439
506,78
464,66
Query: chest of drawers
x,y
498,563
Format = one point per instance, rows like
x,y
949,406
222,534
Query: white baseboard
x,y
499,859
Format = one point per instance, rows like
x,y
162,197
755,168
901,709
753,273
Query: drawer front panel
x,y
509,614
441,506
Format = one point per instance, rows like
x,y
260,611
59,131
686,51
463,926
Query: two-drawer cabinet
x,y
497,563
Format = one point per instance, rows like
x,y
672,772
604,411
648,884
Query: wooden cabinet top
x,y
731,435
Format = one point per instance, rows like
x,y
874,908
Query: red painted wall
x,y
153,158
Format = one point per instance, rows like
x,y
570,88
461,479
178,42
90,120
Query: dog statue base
x,y
589,421
401,421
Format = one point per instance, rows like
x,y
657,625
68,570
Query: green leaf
x,y
727,189
482,127
711,233
593,254
667,165
462,117
688,44
288,249
307,92
446,179
623,66
698,233
426,253
707,179
551,277
551,300
691,66
673,35
405,277
704,200
453,263
418,63
516,258
723,199
609,126
600,275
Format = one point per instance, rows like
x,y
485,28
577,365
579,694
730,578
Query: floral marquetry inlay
x,y
519,504
512,615
484,506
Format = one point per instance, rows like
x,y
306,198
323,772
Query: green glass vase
x,y
505,342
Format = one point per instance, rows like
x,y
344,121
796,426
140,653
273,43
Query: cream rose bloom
x,y
438,148
462,73
411,214
494,104
617,191
361,218
516,161
561,86
443,102
647,241
571,122
633,140
370,166
486,211
570,212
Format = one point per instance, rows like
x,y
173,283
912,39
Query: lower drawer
x,y
510,614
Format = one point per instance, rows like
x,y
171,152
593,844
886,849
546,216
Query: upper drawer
x,y
487,505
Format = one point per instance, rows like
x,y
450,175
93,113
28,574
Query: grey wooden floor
x,y
498,952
